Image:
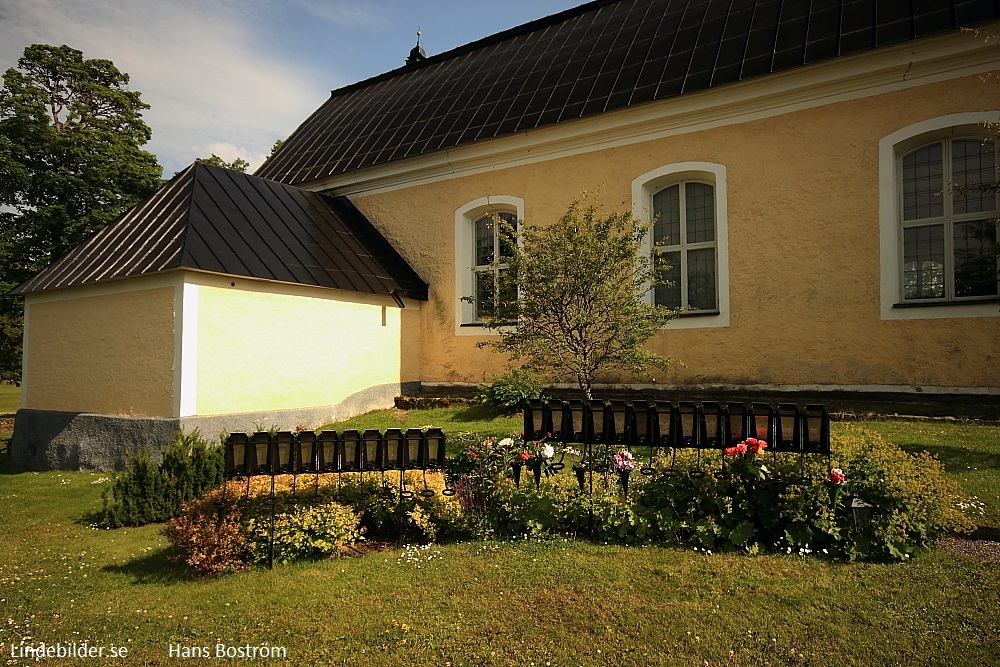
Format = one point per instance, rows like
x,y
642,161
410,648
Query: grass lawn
x,y
969,451
517,602
471,419
10,398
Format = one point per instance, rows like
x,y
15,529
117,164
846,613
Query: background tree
x,y
571,300
70,162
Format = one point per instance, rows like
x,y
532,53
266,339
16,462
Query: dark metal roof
x,y
601,56
213,219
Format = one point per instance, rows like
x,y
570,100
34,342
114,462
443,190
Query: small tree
x,y
579,307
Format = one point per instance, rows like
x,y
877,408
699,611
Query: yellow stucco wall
x,y
803,200
260,349
101,351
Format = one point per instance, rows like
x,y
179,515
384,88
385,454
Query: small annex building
x,y
221,301
809,168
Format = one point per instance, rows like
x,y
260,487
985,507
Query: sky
x,y
230,77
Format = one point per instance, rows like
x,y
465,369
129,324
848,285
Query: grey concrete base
x,y
53,440
50,440
373,398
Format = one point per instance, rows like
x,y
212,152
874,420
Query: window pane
x,y
922,183
701,279
975,258
700,209
973,165
669,295
485,287
923,262
504,242
667,212
484,241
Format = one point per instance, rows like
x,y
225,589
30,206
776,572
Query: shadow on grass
x,y
477,413
89,519
156,568
956,459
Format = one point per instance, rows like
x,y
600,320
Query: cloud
x,y
200,65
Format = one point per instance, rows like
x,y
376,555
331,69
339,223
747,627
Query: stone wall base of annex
x,y
54,440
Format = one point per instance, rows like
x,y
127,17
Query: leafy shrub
x,y
771,503
147,492
229,528
309,531
914,502
558,507
417,516
508,392
210,535
752,501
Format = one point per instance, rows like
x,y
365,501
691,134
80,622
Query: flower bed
x,y
743,498
751,499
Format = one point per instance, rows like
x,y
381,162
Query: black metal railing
x,y
666,426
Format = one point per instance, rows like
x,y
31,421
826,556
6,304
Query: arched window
x,y
478,241
685,204
684,233
491,249
938,209
948,220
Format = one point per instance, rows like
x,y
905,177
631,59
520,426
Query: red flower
x,y
730,451
837,476
757,446
741,448
524,456
472,455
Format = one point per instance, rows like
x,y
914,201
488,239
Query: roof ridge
x,y
495,38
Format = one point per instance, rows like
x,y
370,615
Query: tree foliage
x,y
238,163
580,287
71,161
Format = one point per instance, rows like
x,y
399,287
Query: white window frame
x,y
466,323
891,150
710,173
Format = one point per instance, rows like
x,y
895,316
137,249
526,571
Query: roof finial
x,y
417,53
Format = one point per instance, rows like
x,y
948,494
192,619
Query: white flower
x,y
506,442
547,451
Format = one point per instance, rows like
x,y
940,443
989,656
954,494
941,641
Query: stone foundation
x,y
53,440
